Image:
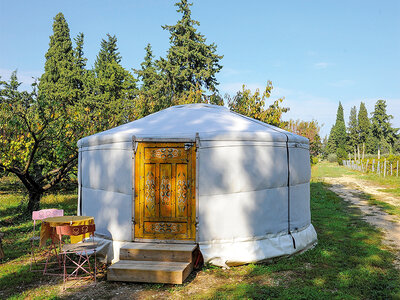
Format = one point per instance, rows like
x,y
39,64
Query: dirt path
x,y
351,189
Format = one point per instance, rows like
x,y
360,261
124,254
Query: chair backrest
x,y
72,230
47,213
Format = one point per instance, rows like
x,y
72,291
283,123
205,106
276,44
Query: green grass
x,y
390,185
349,262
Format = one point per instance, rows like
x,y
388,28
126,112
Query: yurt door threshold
x,y
164,191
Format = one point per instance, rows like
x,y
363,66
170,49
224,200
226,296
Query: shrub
x,y
332,157
341,155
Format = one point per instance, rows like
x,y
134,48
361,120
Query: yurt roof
x,y
211,122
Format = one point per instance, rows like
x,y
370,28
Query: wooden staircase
x,y
156,263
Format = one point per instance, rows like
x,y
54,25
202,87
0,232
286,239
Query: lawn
x,y
349,262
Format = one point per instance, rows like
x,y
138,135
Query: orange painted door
x,y
165,199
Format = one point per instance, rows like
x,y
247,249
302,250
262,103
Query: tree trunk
x,y
358,151
34,201
363,153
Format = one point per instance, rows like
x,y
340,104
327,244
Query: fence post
x,y
366,166
384,168
373,165
378,168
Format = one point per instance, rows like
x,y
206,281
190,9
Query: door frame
x,y
196,143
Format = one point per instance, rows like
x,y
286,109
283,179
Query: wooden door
x,y
165,198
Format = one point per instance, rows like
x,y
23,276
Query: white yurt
x,y
200,174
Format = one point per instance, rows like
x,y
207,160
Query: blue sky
x,y
316,53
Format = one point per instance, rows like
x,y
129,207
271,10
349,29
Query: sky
x,y
316,53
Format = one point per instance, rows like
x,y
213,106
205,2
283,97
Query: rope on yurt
x,y
288,165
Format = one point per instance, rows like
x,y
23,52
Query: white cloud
x,y
322,65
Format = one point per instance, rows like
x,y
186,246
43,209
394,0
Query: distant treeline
x,y
362,135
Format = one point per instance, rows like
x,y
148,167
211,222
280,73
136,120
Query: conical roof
x,y
211,122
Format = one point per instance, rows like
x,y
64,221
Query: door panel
x,y
165,196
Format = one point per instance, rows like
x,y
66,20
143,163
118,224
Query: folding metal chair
x,y
39,215
78,255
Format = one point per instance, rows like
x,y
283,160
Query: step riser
x,y
154,255
176,277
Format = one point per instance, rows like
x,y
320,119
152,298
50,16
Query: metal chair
x,y
78,254
39,215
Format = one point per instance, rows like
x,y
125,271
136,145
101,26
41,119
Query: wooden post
x,y
373,165
378,169
384,168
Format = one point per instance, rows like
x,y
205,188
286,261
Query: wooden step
x,y
157,252
150,271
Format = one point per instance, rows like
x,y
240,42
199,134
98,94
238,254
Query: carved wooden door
x,y
165,199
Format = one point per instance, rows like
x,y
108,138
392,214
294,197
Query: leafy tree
x,y
37,139
353,137
253,105
382,131
364,127
191,64
58,80
309,130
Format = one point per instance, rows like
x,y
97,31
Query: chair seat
x,y
79,247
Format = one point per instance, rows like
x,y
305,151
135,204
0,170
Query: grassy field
x,y
389,184
349,262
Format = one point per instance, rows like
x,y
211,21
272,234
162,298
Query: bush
x,y
314,160
332,157
341,155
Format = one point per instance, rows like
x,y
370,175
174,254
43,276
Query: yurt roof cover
x,y
211,122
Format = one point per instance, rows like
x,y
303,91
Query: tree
x,y
253,105
191,64
364,126
353,137
37,139
150,98
58,80
382,131
110,91
337,136
309,130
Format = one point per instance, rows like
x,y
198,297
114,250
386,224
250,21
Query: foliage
x,y
337,137
309,130
191,64
382,131
364,126
58,82
37,140
352,128
110,90
39,131
332,157
253,105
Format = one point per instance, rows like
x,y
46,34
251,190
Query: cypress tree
x,y
353,131
57,82
111,88
382,131
364,127
337,136
191,64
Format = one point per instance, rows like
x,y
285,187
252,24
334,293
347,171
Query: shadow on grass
x,y
348,262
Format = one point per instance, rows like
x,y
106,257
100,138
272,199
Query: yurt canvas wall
x,y
252,182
